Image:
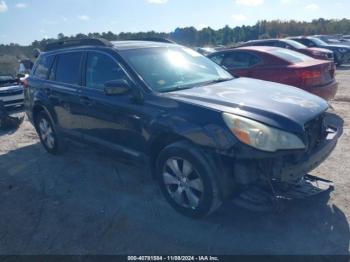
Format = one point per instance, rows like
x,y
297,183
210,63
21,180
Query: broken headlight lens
x,y
261,136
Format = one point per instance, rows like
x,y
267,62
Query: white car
x,y
11,92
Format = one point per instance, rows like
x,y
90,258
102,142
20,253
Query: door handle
x,y
86,101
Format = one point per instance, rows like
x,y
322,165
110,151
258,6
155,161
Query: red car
x,y
280,65
315,52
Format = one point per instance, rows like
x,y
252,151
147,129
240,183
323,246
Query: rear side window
x,y
68,68
289,55
240,60
43,66
101,68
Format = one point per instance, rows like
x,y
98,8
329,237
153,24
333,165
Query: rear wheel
x,y
187,180
47,134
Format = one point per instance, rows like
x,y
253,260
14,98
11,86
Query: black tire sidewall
x,y
202,167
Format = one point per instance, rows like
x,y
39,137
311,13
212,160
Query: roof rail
x,y
77,42
157,39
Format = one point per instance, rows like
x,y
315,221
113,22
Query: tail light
x,y
309,74
310,77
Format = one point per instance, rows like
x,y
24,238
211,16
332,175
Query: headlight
x,y
261,136
342,50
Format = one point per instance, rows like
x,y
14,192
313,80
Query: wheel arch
x,y
38,108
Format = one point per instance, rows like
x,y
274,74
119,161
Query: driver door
x,y
110,121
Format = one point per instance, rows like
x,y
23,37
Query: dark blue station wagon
x,y
206,136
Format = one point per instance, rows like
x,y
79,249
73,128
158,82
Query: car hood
x,y
333,46
13,87
278,105
319,49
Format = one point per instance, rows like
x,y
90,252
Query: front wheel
x,y
187,180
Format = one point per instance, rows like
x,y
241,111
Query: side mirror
x,y
116,87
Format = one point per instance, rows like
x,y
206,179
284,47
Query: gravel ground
x,y
84,202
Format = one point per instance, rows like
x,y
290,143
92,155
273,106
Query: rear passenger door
x,y
64,87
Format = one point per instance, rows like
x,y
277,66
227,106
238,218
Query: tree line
x,y
190,36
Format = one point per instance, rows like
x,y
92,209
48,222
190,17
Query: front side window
x,y
279,44
43,66
166,69
217,58
68,68
100,69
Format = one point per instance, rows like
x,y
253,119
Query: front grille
x,y
330,55
11,92
316,131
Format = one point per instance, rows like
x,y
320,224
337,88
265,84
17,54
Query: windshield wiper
x,y
215,81
193,85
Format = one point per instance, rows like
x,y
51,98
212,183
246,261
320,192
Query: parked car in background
x,y
204,134
334,39
282,66
317,53
341,52
11,92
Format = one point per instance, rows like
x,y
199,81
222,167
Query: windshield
x,y
289,55
295,44
318,41
167,69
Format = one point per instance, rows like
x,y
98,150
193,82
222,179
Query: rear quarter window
x,y
289,55
43,66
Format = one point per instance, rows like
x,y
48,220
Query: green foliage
x,y
190,36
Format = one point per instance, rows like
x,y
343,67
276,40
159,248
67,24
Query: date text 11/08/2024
x,y
173,258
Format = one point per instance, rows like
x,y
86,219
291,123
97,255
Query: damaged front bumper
x,y
264,198
265,183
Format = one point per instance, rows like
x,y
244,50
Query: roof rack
x,y
77,42
157,39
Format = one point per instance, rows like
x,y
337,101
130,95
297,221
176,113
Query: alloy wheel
x,y
46,133
183,182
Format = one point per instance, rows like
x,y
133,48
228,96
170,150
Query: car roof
x,y
301,37
117,45
255,48
264,40
136,44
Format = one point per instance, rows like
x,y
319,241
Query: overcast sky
x,y
23,21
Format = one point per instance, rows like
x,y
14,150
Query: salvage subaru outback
x,y
206,135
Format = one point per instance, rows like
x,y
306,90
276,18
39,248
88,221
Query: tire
x,y
48,134
187,180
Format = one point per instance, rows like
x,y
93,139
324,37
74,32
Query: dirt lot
x,y
86,203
